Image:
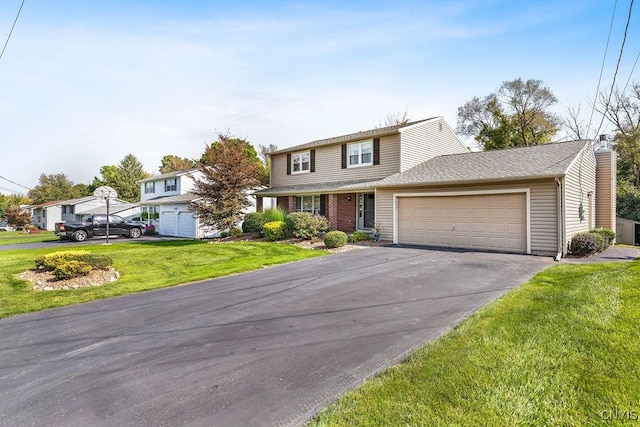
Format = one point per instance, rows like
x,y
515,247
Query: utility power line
x,y
12,27
13,182
615,74
631,73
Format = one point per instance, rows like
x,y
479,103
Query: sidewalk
x,y
611,254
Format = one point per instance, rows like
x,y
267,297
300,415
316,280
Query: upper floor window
x,y
170,184
360,154
149,187
68,209
301,162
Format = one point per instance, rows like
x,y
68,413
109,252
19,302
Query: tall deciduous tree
x,y
516,115
229,172
12,200
265,153
172,163
128,172
53,187
18,217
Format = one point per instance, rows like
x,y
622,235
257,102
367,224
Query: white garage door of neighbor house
x,y
487,221
168,223
186,224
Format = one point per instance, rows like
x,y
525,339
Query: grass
x,y
562,350
143,266
15,237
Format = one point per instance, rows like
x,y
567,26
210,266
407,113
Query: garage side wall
x,y
543,209
580,181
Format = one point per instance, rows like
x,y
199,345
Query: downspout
x,y
560,216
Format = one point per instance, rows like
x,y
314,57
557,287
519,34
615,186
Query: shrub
x,y
305,225
236,232
253,222
335,239
224,234
275,214
50,261
359,236
607,235
585,243
274,230
69,264
70,269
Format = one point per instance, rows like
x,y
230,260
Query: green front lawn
x,y
13,237
561,350
143,266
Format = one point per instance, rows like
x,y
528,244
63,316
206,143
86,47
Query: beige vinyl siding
x,y
543,209
426,140
606,189
579,180
329,165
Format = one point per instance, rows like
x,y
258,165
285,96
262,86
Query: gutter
x,y
560,216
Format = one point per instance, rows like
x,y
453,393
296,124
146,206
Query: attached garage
x,y
186,224
168,223
494,221
526,200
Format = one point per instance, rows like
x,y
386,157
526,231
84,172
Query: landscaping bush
x,y
49,262
607,235
253,222
335,239
69,264
70,269
586,243
305,225
359,236
274,230
224,234
275,214
236,232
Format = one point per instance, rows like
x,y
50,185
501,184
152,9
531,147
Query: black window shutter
x,y
376,151
322,204
344,156
313,161
289,164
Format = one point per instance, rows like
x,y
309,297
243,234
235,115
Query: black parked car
x,y
96,225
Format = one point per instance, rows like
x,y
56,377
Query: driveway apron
x,y
269,347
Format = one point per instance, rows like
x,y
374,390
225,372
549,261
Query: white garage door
x,y
488,221
168,223
186,224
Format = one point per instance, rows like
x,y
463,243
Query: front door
x,y
366,210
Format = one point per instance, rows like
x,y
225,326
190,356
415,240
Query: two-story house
x,y
422,186
335,177
165,201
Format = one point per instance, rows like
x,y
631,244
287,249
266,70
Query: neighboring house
x,y
335,177
74,209
524,200
45,215
165,203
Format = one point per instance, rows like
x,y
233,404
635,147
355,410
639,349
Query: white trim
x,y
359,143
301,171
526,191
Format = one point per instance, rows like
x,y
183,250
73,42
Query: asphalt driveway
x,y
270,347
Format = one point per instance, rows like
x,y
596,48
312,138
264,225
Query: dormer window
x,y
301,162
170,185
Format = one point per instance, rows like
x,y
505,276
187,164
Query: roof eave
x,y
471,181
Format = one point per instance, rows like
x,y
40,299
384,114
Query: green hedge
x,y
335,239
305,225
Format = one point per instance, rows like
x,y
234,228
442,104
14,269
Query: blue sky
x,y
83,83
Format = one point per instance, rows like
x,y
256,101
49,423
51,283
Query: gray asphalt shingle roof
x,y
540,161
371,133
323,187
168,175
165,200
